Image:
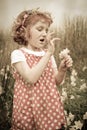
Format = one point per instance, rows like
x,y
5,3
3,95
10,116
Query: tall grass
x,y
73,35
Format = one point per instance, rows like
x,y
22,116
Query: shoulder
x,y
17,55
17,51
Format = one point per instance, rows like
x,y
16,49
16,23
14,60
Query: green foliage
x,y
6,97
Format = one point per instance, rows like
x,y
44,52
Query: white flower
x,y
68,121
71,116
72,97
64,53
73,77
74,73
73,80
63,98
83,86
64,93
85,116
72,128
78,125
73,84
84,68
8,67
65,112
63,89
2,71
6,76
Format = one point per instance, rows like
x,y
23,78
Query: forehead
x,y
41,23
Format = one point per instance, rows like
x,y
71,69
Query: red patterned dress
x,y
37,106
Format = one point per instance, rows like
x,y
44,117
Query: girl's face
x,y
38,33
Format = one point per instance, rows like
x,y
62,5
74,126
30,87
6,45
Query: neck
x,y
32,48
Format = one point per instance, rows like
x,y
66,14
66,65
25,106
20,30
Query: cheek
x,y
33,35
29,33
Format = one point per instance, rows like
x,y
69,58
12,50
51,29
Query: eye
x,y
40,29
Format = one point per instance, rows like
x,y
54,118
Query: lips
x,y
42,40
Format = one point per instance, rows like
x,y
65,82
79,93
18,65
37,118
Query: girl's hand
x,y
51,42
65,63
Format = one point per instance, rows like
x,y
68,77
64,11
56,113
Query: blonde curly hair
x,y
27,18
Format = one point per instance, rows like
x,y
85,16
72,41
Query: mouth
x,y
42,40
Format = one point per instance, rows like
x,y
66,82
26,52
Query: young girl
x,y
36,104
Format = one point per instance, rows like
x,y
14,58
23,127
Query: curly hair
x,y
24,19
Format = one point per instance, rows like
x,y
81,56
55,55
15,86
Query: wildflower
x,y
64,95
83,86
65,112
68,121
6,76
85,116
74,73
63,89
71,116
2,71
73,77
8,68
84,68
72,97
82,80
78,125
73,80
64,53
72,128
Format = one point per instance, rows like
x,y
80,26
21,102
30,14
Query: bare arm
x,y
64,65
31,75
59,76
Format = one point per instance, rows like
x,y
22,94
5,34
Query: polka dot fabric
x,y
37,107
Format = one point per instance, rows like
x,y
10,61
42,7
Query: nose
x,y
44,33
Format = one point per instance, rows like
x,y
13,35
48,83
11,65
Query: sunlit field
x,y
73,35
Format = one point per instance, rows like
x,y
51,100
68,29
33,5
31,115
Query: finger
x,y
69,65
54,40
50,35
68,58
69,61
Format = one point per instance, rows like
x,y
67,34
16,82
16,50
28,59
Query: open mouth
x,y
42,40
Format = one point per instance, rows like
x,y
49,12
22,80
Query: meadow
x,y
73,35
